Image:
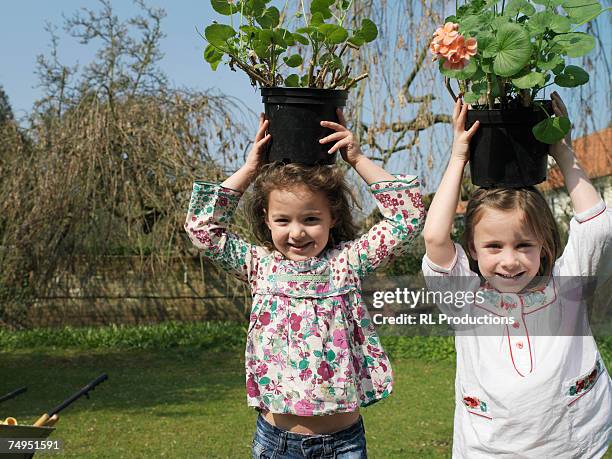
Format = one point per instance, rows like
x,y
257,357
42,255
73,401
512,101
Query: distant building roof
x,y
594,153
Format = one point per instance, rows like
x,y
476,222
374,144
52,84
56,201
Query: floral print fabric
x,y
474,403
311,346
585,383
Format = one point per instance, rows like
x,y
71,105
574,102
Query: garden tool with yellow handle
x,y
50,418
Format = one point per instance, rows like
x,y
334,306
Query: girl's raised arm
x,y
587,252
398,200
438,225
212,207
582,192
369,171
242,178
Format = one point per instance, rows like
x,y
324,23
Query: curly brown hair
x,y
536,214
327,179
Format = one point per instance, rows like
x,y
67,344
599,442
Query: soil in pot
x,y
504,152
295,115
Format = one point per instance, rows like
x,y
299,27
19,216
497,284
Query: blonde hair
x,y
536,214
327,179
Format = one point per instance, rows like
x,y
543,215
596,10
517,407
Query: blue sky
x,y
22,38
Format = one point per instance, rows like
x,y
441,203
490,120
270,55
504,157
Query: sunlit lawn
x,y
176,390
191,403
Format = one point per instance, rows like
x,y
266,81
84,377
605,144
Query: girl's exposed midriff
x,y
312,425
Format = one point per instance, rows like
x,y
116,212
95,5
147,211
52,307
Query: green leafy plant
x,y
504,53
310,55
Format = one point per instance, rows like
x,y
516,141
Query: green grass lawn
x,y
177,390
173,403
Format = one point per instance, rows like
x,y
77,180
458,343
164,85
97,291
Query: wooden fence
x,y
123,292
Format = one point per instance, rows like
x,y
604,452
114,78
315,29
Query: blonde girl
x,y
533,386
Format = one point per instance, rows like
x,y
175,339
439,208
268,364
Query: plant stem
x,y
353,82
543,87
313,63
345,13
273,62
543,108
321,74
341,78
241,19
525,97
502,91
333,76
490,98
304,13
253,73
449,88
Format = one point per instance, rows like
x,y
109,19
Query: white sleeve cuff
x,y
591,213
440,269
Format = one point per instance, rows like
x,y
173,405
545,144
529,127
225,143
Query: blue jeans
x,y
270,442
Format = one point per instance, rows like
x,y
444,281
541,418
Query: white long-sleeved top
x,y
537,388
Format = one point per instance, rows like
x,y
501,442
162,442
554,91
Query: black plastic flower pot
x,y
295,115
504,152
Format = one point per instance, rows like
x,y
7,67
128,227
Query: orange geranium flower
x,y
450,45
458,55
443,38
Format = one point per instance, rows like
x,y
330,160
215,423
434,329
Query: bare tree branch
x,y
416,124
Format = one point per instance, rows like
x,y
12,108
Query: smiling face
x,y
300,221
507,251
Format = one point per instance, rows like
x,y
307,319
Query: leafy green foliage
x,y
573,44
365,34
464,74
579,11
213,336
206,335
223,7
334,34
522,48
212,56
512,48
518,7
552,130
264,49
572,76
292,81
529,81
293,61
218,36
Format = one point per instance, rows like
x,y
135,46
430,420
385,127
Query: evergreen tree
x,y
6,112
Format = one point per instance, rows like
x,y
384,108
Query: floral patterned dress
x,y
311,346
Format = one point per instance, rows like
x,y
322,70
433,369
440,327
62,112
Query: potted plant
x,y
301,72
503,54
